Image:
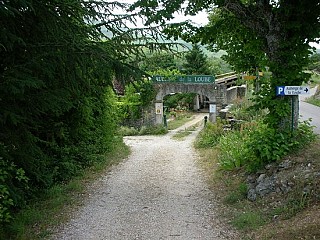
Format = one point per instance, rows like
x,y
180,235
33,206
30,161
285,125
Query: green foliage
x,y
233,151
314,64
160,60
196,61
10,176
180,101
242,29
153,130
127,131
57,108
243,110
268,145
248,220
130,104
144,130
44,212
137,97
168,74
218,66
210,135
237,195
259,145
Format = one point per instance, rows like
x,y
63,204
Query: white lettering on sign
x,y
160,79
202,79
292,90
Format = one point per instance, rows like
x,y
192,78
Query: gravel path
x,y
157,193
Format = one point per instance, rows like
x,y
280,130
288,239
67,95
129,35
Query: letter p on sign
x,y
280,91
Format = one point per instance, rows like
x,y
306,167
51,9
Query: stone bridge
x,y
219,94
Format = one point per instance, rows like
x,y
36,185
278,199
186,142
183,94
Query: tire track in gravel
x,y
157,193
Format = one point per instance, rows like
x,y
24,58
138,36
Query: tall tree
x,y
273,33
57,111
196,61
159,60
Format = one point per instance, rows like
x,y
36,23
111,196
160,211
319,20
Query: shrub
x,y
153,130
210,135
233,150
268,144
248,220
127,131
258,145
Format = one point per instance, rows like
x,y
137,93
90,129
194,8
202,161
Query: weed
x,y
210,135
313,101
153,130
127,131
248,221
179,121
233,153
237,195
181,135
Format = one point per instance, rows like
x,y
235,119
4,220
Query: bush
x,y
268,144
233,151
210,135
144,130
127,131
259,145
153,130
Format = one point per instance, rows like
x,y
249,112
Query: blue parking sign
x,y
280,90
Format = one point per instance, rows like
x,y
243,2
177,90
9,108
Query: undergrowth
x,y
53,206
231,155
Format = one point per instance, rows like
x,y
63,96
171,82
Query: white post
x,y
196,106
212,112
159,112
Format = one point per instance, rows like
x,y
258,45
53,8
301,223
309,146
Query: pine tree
x,y
57,108
196,61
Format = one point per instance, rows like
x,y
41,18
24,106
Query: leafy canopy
x,y
57,107
255,33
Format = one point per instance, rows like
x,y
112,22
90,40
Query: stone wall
x,y
235,92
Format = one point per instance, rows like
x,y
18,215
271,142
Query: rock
x,y
307,190
265,186
261,178
252,195
285,164
251,179
284,186
268,166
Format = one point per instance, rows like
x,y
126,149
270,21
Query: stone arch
x,y
216,94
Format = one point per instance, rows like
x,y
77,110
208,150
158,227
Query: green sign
x,y
183,79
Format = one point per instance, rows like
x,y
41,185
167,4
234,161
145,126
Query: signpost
x,y
212,108
292,90
184,79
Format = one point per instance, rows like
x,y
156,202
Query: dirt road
x,y
159,192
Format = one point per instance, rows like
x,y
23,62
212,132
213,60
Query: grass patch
x,y
55,205
180,120
181,135
238,195
246,221
313,101
144,130
314,80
